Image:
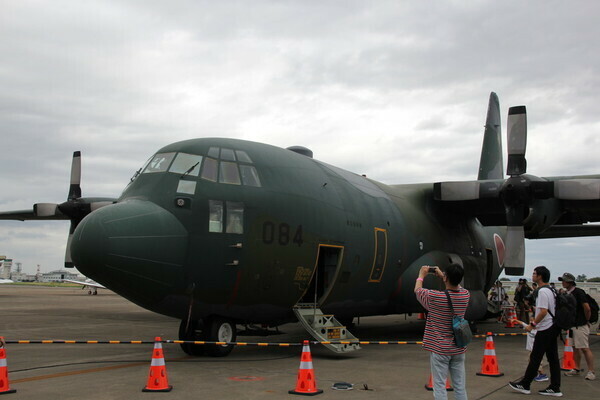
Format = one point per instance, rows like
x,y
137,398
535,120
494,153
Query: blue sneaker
x,y
541,378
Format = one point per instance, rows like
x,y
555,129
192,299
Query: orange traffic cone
x,y
4,386
568,362
429,385
157,379
306,383
511,320
489,366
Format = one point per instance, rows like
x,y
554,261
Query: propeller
x,y
75,208
515,190
519,191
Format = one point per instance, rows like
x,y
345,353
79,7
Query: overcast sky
x,y
395,90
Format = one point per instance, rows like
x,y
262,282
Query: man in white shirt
x,y
545,338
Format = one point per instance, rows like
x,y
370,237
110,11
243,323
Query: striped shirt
x,y
438,336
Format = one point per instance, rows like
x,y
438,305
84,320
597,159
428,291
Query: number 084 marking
x,y
282,234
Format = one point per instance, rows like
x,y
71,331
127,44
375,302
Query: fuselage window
x,y
215,219
235,217
159,163
188,164
210,170
227,155
249,175
187,187
243,157
229,173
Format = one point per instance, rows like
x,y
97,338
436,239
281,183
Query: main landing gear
x,y
212,329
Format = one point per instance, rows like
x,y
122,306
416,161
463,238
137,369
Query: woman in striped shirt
x,y
439,337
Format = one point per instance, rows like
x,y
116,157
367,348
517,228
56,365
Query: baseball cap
x,y
567,277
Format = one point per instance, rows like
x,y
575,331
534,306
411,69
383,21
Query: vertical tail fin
x,y
491,165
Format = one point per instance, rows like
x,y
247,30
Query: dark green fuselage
x,y
298,230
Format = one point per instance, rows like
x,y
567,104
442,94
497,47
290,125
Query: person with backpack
x,y
521,293
447,354
581,331
545,341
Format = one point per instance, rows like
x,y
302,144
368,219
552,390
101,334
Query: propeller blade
x,y
68,259
75,188
577,189
514,259
517,140
46,209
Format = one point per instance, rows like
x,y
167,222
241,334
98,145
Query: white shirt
x,y
545,299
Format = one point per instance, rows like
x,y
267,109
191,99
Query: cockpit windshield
x,y
159,163
220,165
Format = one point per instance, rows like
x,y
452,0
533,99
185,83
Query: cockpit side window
x,y
215,219
233,214
159,163
249,175
235,217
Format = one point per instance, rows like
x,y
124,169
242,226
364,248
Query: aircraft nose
x,y
135,248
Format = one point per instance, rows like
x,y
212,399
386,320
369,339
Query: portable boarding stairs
x,y
324,328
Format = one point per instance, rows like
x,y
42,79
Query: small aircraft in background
x,y
88,284
224,232
6,281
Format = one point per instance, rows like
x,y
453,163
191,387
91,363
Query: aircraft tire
x,y
220,330
192,333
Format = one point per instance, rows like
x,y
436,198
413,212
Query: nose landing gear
x,y
212,329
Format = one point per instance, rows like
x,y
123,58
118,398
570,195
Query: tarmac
x,y
120,371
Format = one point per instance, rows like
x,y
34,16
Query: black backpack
x,y
593,307
565,310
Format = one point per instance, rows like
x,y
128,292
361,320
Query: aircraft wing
x,y
90,284
553,207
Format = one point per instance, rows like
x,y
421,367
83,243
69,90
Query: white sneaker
x,y
590,376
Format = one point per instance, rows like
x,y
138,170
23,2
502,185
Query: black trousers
x,y
545,343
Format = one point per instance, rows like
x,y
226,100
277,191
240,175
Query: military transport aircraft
x,y
91,286
223,232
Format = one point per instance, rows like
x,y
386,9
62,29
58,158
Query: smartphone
x,y
432,270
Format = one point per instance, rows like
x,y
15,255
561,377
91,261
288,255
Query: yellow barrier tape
x,y
260,344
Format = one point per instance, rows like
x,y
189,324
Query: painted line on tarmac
x,y
87,371
79,372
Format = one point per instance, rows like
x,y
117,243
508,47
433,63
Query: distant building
x,y
22,277
58,276
6,266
